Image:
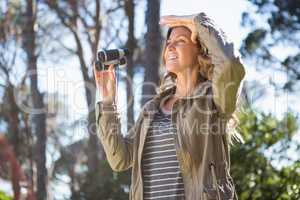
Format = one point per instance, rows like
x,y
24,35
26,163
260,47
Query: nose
x,y
171,46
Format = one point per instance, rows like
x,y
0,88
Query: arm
x,y
228,70
118,149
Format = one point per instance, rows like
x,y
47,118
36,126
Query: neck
x,y
186,83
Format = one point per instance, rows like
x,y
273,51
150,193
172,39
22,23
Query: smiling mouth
x,y
171,58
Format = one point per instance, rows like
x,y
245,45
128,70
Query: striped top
x,y
161,173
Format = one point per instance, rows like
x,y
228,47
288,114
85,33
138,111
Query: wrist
x,y
108,102
106,108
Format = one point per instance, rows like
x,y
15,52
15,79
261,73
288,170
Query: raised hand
x,y
185,20
204,29
106,83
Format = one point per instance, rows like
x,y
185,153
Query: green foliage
x,y
4,196
105,184
274,24
252,169
253,40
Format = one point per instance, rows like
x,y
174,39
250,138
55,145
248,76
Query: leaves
x,y
253,41
267,139
4,196
275,24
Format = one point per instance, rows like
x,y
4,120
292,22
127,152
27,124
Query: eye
x,y
181,40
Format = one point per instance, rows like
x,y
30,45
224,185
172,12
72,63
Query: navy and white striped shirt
x,y
161,173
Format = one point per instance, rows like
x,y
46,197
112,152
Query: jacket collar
x,y
201,90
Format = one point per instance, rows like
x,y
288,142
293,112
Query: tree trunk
x,y
131,45
152,50
13,125
39,120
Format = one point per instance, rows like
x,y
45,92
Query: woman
x,y
179,146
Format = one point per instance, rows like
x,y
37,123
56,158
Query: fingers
x,y
111,71
174,20
187,21
104,76
182,20
167,19
106,82
194,36
172,24
107,72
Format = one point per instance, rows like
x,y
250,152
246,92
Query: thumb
x,y
111,71
194,36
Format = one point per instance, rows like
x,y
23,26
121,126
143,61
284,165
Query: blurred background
x,y
48,146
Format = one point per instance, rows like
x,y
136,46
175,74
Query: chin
x,y
172,68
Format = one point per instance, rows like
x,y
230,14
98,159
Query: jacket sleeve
x,y
118,149
228,71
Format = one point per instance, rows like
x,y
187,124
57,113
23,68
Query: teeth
x,y
171,57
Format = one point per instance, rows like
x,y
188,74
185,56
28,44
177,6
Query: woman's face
x,y
180,52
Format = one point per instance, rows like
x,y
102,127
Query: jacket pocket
x,y
219,189
223,191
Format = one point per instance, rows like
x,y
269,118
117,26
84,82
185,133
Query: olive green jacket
x,y
201,140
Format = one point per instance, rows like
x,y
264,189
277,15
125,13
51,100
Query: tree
x,y
131,45
9,36
152,51
71,14
39,118
108,184
10,165
275,24
16,91
3,196
254,171
84,22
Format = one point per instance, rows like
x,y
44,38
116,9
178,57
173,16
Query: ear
x,y
203,60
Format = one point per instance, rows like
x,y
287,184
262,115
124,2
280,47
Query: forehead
x,y
178,31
